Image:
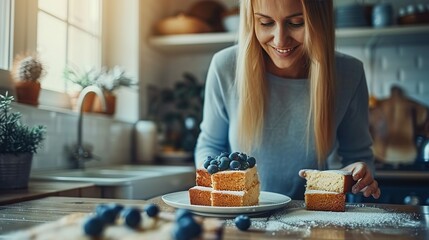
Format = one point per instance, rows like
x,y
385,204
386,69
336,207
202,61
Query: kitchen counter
x,y
24,215
39,189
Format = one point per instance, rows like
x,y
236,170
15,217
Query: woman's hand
x,y
365,181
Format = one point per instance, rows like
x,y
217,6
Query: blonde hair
x,y
319,45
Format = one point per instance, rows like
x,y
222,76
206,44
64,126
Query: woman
x,y
285,97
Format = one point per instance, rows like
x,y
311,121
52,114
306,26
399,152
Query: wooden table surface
x,y
20,216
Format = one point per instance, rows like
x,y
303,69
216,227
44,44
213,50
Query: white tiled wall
x,y
404,65
111,139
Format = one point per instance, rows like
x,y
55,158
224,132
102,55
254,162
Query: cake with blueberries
x,y
228,180
325,190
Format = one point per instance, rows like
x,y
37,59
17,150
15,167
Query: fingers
x,y
302,173
372,189
365,181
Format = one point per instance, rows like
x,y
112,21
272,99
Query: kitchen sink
x,y
128,181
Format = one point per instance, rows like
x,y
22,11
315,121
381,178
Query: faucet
x,y
81,154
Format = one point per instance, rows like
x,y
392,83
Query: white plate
x,y
267,201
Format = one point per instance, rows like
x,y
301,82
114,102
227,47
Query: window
x,y
68,33
5,26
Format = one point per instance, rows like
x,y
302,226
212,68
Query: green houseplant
x,y
18,143
109,80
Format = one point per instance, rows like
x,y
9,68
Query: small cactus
x,y
29,69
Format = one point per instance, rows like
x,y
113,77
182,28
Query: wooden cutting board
x,y
394,122
71,227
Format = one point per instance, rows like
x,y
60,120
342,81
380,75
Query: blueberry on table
x,y
181,212
151,210
242,222
100,208
116,207
132,217
93,226
108,215
190,227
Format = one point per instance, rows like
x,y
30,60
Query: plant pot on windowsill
x,y
18,143
110,104
28,92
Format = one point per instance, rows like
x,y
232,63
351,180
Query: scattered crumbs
x,y
354,217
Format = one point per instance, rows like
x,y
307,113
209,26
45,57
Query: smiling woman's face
x,y
279,28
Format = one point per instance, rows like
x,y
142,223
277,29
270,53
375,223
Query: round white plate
x,y
267,201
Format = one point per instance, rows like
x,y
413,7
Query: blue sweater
x,y
285,148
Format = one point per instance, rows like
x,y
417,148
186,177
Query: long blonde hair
x,y
319,45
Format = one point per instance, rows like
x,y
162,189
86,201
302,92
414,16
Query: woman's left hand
x,y
365,181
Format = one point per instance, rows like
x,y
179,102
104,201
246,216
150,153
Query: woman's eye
x,y
267,23
296,25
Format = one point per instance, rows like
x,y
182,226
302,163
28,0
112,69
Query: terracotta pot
x,y
15,170
28,92
87,102
110,104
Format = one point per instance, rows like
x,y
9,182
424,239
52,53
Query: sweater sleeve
x,y
213,137
354,139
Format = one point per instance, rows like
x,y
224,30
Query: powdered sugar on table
x,y
354,217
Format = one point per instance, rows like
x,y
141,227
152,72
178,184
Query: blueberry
x,y
224,164
152,210
242,222
234,165
214,162
242,156
180,233
108,215
213,169
100,208
190,226
132,217
116,207
181,212
234,156
224,154
244,165
251,161
207,163
93,226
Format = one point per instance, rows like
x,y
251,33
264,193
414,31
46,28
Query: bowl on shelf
x,y
231,23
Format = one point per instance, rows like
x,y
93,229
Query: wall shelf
x,y
206,42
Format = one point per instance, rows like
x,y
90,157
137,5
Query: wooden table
x,y
24,215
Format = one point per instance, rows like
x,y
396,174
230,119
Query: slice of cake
x,y
325,190
200,195
203,178
224,198
235,180
330,180
226,180
325,201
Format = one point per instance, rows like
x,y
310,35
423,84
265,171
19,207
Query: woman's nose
x,y
281,36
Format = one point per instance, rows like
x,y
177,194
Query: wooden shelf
x,y
191,43
211,42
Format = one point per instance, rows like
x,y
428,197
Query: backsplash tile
x,y
403,65
111,139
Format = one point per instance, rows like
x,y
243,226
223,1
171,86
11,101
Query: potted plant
x,y
109,81
26,73
83,80
18,143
